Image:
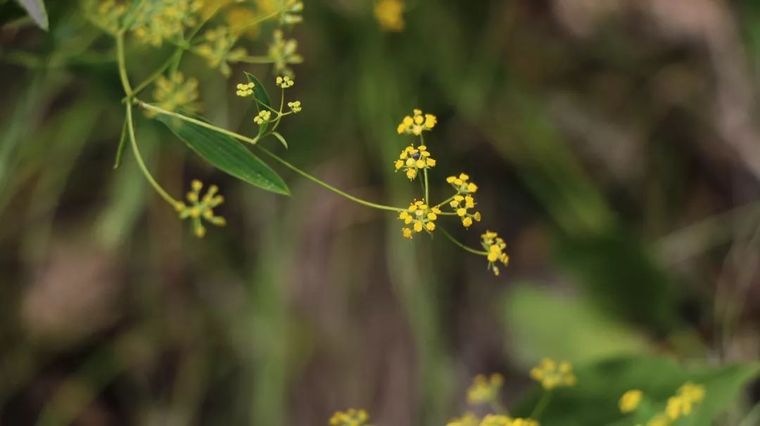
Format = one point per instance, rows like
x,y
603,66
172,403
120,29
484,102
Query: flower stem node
x,y
201,209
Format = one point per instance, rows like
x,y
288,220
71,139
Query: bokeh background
x,y
616,144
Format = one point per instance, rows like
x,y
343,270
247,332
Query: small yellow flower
x,y
417,218
262,117
682,403
390,15
484,390
106,14
283,53
218,48
494,247
284,81
552,374
295,106
630,400
413,159
245,89
462,206
468,419
659,420
175,92
201,209
417,123
291,12
158,20
462,184
350,417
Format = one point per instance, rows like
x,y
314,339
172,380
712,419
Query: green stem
x,y
256,60
541,405
427,195
460,245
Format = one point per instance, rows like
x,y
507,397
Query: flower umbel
x,y
350,417
417,218
462,206
295,106
413,159
283,53
200,209
484,390
284,82
630,401
262,117
245,89
552,374
462,184
175,92
158,20
417,123
494,246
682,403
218,47
390,15
468,419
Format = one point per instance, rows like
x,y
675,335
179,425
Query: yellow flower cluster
x,y
413,159
295,106
683,402
283,53
630,400
470,419
462,184
417,123
175,92
495,248
291,12
245,89
462,206
552,374
200,209
420,216
158,20
350,417
105,14
284,82
262,117
484,390
218,48
390,15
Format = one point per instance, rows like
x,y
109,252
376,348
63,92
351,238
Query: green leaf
x,y
280,138
36,10
262,99
594,400
226,154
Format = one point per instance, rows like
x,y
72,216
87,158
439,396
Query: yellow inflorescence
x,y
630,400
462,206
683,402
468,419
462,184
390,15
484,390
495,248
414,159
295,106
417,218
218,48
350,417
416,123
200,209
284,81
552,374
283,53
175,92
106,14
158,20
502,420
262,117
245,89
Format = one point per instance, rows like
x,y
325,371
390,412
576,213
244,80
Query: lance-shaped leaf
x,y
36,10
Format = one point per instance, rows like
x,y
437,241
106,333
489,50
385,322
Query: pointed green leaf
x,y
36,10
226,154
280,138
259,92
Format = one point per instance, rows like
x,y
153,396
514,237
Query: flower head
x,y
350,417
413,159
218,48
630,401
390,15
484,390
262,117
682,403
200,209
417,218
552,374
245,89
284,81
417,123
462,206
283,53
295,106
462,184
158,20
494,247
291,12
176,92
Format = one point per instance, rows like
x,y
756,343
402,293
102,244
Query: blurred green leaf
x,y
594,400
564,326
36,10
227,154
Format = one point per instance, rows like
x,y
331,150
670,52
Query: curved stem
x,y
461,245
541,405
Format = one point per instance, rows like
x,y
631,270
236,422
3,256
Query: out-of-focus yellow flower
x,y
245,89
523,422
682,403
630,400
105,14
218,48
468,419
659,420
552,374
283,53
175,92
350,417
291,12
416,123
417,218
462,206
495,251
158,20
390,15
462,184
484,390
199,209
240,20
414,159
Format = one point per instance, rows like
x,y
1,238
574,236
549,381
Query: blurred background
x,y
616,145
